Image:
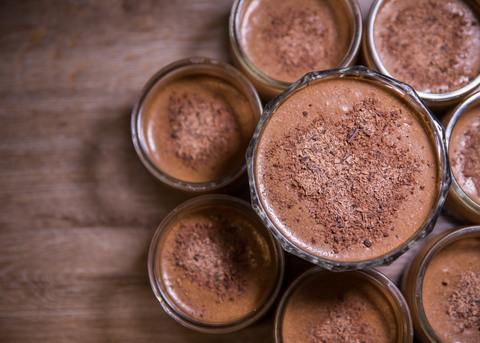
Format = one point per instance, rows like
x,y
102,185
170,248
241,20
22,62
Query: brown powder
x,y
431,44
299,40
213,257
200,130
464,302
343,324
349,175
471,157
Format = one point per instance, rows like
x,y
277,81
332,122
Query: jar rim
x,y
234,35
374,58
382,282
156,280
438,137
197,65
472,101
449,237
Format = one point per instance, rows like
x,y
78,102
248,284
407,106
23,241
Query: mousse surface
x,y
339,307
432,45
218,264
287,39
346,170
451,292
197,127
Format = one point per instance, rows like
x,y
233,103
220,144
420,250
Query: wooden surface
x,y
77,207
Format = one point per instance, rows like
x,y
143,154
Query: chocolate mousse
x,y
432,45
346,170
286,39
464,152
340,307
451,291
217,264
197,127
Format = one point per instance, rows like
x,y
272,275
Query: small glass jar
x,y
438,102
268,212
267,86
415,283
213,266
154,126
322,304
458,203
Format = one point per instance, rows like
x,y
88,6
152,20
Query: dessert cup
x,y
437,286
320,143
447,59
356,306
251,41
463,200
213,266
192,122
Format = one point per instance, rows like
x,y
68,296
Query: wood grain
x,y
77,207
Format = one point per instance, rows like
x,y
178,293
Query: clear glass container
x,y
438,102
260,257
267,86
192,67
414,277
436,132
458,203
370,283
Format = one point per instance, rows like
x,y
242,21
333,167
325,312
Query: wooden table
x,y
77,207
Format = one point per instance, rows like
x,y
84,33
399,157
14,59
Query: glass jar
x,y
426,295
458,202
323,305
268,86
279,211
179,148
438,102
213,266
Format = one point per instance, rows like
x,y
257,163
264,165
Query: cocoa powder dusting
x,y
200,130
464,302
471,157
213,256
299,40
431,43
349,175
343,324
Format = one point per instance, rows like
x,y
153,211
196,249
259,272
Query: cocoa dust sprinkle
x,y
464,302
343,324
433,44
469,157
213,256
354,189
299,38
200,129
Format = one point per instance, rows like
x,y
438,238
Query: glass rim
x,y
443,240
194,63
471,101
396,299
433,98
234,21
443,172
156,280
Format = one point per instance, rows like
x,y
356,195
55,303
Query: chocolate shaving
x,y
213,256
351,135
299,40
432,45
200,129
469,158
343,324
464,302
360,196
